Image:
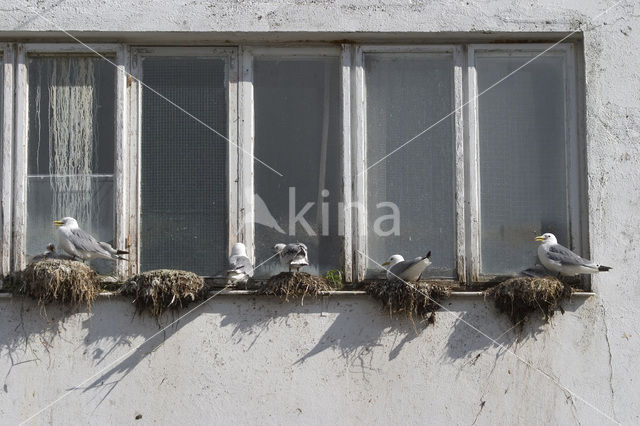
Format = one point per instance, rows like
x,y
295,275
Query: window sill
x,y
231,292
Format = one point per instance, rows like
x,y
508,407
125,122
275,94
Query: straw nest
x,y
162,289
519,297
67,282
293,285
420,300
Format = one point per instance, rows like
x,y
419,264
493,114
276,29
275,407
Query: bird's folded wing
x,y
83,241
564,256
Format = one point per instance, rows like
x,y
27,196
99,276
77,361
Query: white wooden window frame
x,y
359,148
247,133
7,52
241,128
117,54
574,157
234,166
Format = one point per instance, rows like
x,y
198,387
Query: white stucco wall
x,y
259,361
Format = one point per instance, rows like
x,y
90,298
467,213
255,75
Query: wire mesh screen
x,y
405,94
184,215
297,132
70,148
523,173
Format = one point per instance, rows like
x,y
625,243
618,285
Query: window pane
x,y
405,94
184,168
297,119
71,148
523,173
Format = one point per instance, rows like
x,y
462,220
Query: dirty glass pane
x,y
70,148
523,173
184,211
297,132
406,94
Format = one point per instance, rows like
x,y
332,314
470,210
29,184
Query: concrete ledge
x,y
580,294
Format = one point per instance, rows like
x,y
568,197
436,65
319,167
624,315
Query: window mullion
x,y
233,150
245,155
472,186
20,155
7,136
121,178
135,114
359,167
345,70
458,88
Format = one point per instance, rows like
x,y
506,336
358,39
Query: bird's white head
x,y
278,247
239,250
547,238
66,221
396,258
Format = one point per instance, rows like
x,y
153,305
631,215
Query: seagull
x,y
406,270
292,255
240,267
560,259
81,245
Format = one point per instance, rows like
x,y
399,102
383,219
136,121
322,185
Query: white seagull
x,y
81,245
560,259
240,267
292,255
407,270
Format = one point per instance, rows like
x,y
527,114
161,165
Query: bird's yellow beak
x,y
57,222
385,263
539,238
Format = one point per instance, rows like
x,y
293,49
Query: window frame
x,y
247,135
574,156
241,131
120,174
138,53
360,149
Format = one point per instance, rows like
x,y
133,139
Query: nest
x,y
419,300
520,296
163,289
294,284
67,282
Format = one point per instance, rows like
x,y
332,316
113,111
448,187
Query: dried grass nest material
x,y
163,289
67,282
294,284
521,296
419,300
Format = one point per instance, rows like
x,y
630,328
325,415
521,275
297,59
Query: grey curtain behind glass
x,y
184,213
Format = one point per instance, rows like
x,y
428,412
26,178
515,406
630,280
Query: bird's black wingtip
x,y
122,252
428,256
604,268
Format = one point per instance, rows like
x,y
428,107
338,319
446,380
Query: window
x,y
525,162
183,162
69,135
358,151
297,133
404,93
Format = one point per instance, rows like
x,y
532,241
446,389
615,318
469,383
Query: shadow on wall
x,y
355,329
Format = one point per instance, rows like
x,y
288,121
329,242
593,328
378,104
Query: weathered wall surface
x,y
258,361
334,361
